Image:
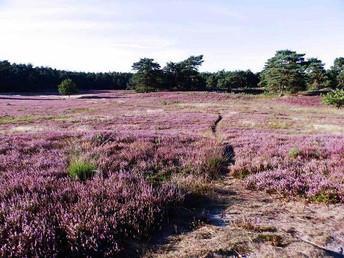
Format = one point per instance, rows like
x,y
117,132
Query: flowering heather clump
x,y
76,219
292,165
44,212
301,101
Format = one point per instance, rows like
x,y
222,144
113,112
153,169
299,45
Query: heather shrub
x,y
335,98
45,213
82,170
302,166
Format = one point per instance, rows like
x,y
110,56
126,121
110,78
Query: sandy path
x,y
255,224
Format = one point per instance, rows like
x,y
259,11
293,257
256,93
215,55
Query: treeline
x,y
174,76
26,78
290,72
286,72
185,76
228,80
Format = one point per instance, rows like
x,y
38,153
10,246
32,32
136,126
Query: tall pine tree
x,y
316,77
284,73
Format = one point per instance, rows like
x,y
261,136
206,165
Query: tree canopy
x,y
25,77
338,72
316,77
67,87
284,73
148,76
232,80
174,76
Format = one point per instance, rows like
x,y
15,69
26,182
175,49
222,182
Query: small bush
x,y
82,170
67,87
293,153
334,98
326,197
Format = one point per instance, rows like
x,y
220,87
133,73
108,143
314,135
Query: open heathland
x,y
100,173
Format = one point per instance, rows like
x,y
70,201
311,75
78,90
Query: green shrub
x,y
334,98
326,197
293,153
67,87
82,170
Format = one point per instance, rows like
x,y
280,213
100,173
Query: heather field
x,y
148,152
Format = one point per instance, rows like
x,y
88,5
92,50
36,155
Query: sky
x,y
103,36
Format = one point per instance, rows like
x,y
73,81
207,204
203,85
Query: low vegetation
x,y
100,183
52,208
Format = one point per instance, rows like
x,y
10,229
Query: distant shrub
x,y
67,87
82,170
334,98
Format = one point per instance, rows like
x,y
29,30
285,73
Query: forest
x,y
286,72
27,78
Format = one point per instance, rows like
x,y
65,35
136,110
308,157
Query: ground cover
x,y
149,151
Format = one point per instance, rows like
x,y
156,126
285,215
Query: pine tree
x,y
316,77
284,73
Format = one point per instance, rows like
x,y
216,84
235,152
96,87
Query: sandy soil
x,y
244,223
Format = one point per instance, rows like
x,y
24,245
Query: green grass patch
x,y
17,119
79,110
326,197
28,119
294,153
169,102
82,170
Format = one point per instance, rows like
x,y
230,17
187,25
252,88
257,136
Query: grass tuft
x,y
82,170
294,152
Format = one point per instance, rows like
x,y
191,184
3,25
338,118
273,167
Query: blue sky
x,y
109,35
